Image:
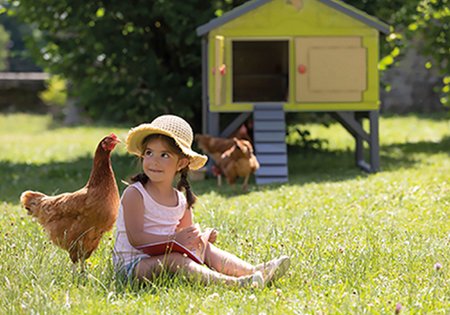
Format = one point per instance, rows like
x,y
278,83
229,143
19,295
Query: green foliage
x,y
56,91
359,243
4,41
432,22
126,60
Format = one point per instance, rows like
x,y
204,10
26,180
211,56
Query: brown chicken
x,y
239,161
213,146
77,221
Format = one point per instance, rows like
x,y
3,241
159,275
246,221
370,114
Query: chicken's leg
x,y
245,184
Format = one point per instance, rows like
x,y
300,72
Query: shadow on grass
x,y
304,167
333,166
428,147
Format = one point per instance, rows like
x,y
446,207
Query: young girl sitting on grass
x,y
152,210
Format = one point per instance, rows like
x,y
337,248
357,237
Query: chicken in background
x,y
239,161
233,157
244,131
217,172
77,221
213,146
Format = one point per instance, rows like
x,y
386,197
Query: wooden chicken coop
x,y
269,57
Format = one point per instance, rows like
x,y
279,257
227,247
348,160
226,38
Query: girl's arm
x,y
133,215
186,220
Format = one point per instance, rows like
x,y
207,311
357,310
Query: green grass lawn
x,y
359,243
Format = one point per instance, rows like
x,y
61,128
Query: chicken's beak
x,y
115,139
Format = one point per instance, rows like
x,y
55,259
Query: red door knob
x,y
223,69
301,69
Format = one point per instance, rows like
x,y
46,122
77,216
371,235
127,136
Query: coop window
x,y
260,71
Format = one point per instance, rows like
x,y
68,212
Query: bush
x,y
4,41
127,61
56,92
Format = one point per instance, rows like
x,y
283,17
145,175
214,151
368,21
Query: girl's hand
x,y
188,237
213,236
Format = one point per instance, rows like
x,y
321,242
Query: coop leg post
x,y
374,141
212,128
359,145
205,100
213,124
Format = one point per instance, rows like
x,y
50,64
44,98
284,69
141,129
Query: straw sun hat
x,y
172,126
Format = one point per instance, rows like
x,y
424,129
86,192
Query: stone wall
x,y
412,86
19,92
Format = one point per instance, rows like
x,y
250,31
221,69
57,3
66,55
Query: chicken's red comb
x,y
114,138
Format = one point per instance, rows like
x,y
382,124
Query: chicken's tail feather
x,y
30,200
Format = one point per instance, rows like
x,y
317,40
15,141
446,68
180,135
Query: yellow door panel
x,y
338,69
219,71
330,69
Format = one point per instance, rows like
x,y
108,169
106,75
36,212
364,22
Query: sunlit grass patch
x,y
359,243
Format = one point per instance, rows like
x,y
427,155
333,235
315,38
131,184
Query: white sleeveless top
x,y
158,219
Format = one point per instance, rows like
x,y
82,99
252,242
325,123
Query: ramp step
x,y
269,136
272,159
269,127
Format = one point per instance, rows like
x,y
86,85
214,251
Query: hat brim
x,y
137,135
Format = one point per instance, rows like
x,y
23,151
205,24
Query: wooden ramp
x,y
269,131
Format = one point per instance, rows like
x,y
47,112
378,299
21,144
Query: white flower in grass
x,y
215,295
398,308
437,266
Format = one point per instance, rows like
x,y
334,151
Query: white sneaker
x,y
274,269
255,280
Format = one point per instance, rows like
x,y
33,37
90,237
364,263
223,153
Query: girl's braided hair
x,y
183,183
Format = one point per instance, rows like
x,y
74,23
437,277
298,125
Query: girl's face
x,y
160,163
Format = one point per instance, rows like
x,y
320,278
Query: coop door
x,y
219,71
260,70
330,69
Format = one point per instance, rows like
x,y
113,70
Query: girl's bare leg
x,y
151,267
227,263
